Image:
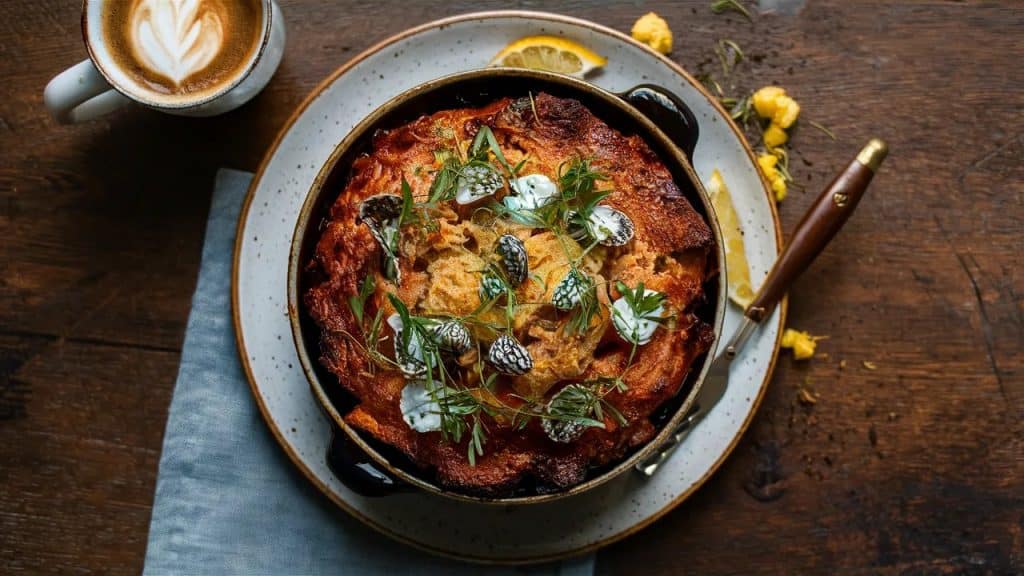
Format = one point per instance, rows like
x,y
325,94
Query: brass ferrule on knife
x,y
872,154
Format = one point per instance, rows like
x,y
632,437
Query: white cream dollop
x,y
636,329
176,38
532,191
419,410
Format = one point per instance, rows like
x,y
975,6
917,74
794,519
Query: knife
x,y
819,225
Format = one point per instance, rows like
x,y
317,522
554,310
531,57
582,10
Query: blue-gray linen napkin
x,y
228,500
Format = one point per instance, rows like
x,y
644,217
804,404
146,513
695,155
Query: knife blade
x,y
819,225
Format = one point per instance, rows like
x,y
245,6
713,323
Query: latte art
x,y
181,51
176,38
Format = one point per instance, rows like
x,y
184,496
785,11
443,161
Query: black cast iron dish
x,y
371,468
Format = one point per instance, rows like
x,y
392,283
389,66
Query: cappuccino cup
x,y
183,57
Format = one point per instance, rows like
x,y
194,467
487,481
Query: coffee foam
x,y
175,38
182,50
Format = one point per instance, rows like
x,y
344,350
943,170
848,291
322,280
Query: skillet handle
x,y
668,113
357,471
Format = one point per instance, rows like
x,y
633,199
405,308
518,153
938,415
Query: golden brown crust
x,y
669,253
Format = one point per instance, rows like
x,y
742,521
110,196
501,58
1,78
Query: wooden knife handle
x,y
828,214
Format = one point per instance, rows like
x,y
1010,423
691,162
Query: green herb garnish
x,y
576,178
823,129
722,6
588,307
729,55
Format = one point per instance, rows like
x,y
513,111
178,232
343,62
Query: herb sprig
x,y
723,6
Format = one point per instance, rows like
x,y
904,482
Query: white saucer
x,y
460,529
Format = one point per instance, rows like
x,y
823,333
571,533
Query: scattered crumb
x,y
870,365
892,416
807,397
842,364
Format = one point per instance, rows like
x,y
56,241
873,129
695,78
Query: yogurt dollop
x,y
632,328
531,192
419,410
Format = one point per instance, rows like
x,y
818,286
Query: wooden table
x,y
914,467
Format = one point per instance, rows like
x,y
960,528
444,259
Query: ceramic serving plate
x,y
471,531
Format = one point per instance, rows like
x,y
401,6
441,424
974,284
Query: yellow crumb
x,y
767,163
765,100
781,110
870,365
802,343
652,30
774,136
786,111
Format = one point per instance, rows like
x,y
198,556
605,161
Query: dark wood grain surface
x,y
915,467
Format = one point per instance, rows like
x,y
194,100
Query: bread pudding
x,y
509,292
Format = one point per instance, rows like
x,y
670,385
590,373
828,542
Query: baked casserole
x,y
509,292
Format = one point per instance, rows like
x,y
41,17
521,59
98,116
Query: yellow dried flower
x,y
779,187
774,136
802,343
764,100
652,30
767,163
786,111
773,104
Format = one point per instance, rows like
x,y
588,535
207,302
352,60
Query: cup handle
x,y
80,93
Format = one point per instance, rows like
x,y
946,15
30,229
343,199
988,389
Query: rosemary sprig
x,y
723,6
357,302
821,127
485,142
533,106
729,55
370,335
577,404
642,305
577,179
408,204
443,187
588,307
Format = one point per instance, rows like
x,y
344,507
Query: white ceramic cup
x,y
98,85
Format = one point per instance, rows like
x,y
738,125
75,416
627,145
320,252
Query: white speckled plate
x,y
473,531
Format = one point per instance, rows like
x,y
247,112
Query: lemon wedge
x,y
550,53
737,271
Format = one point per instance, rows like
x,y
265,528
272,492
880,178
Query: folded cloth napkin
x,y
228,500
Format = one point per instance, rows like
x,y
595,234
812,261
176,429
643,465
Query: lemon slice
x,y
550,53
737,271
